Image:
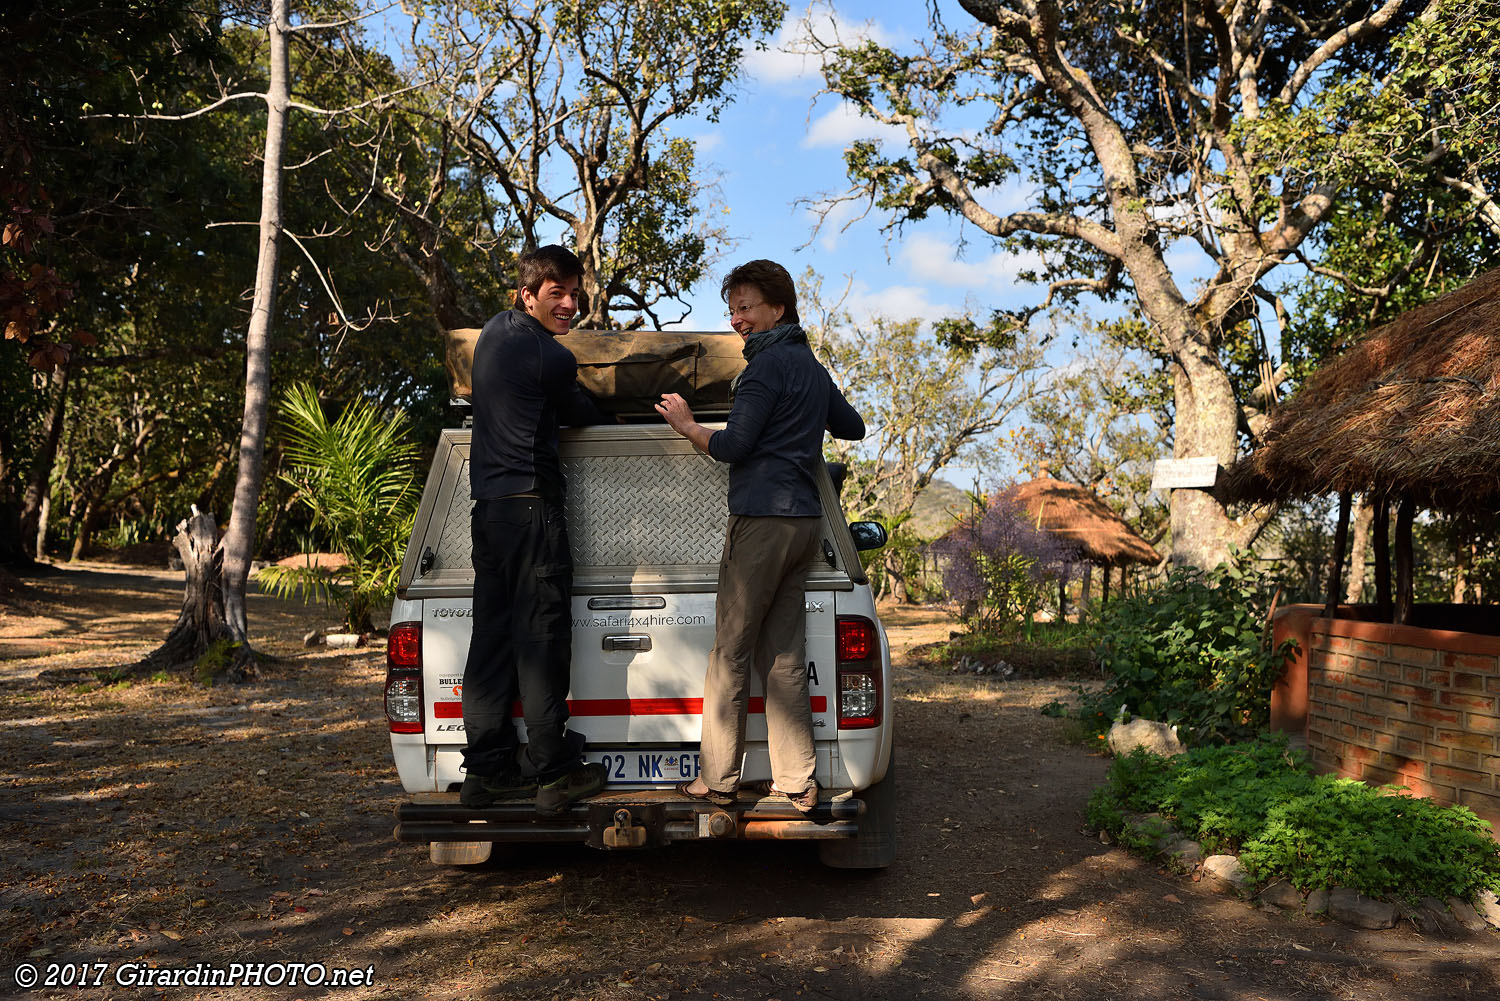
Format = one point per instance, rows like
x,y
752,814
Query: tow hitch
x,y
625,833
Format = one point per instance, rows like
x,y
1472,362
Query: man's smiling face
x,y
553,305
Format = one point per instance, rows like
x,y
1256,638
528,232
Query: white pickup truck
x,y
646,516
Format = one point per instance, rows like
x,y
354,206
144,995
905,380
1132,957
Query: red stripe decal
x,y
647,707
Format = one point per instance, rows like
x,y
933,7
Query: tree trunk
x,y
239,540
1460,570
1205,423
201,623
596,303
1336,558
1406,512
1083,593
42,521
1383,604
39,487
83,527
1364,514
897,579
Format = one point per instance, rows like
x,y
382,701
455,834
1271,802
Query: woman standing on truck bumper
x,y
773,442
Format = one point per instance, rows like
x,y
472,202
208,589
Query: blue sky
x,y
780,142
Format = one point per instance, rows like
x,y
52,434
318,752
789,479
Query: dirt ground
x,y
163,824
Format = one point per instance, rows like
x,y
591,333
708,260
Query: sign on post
x,y
1200,472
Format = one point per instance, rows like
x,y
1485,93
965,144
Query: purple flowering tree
x,y
999,566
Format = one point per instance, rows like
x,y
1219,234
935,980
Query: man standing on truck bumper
x,y
524,387
773,442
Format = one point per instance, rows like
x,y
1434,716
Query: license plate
x,y
650,767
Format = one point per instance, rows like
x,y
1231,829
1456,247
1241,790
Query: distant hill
x,y
938,508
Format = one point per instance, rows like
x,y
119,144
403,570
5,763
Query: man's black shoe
x,y
480,791
552,798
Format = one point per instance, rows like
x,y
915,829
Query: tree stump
x,y
200,640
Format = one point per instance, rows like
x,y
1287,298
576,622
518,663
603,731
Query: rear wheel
x,y
874,847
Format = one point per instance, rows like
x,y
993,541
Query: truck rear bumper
x,y
628,819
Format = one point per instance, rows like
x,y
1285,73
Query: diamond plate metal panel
x,y
644,510
455,548
623,511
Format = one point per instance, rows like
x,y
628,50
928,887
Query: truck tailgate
x,y
637,672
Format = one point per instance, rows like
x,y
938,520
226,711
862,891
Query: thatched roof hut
x,y
1413,410
1410,414
1080,518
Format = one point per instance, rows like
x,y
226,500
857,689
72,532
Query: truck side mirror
x,y
868,534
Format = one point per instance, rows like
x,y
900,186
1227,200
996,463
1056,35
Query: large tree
x,y
1105,417
74,197
928,401
553,118
1136,126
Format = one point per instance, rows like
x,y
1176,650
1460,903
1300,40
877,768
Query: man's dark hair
x,y
770,280
544,264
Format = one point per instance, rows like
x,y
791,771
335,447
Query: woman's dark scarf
x,y
756,343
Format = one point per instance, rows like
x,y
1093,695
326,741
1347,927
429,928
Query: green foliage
x,y
215,660
1262,801
1045,649
899,567
1104,419
358,477
926,402
1194,652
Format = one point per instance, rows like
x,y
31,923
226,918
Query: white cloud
x,y
897,302
1014,195
708,142
931,258
843,124
789,57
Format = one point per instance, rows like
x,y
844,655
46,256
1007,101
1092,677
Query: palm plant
x,y
358,476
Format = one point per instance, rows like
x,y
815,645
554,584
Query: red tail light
x,y
403,646
403,677
858,648
855,638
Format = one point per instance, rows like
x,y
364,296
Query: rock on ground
x,y
1282,894
1354,908
1188,853
1489,907
1464,914
1157,738
1227,868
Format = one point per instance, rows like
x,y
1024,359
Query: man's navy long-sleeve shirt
x,y
524,386
773,440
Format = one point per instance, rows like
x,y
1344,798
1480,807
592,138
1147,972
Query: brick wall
x,y
1397,704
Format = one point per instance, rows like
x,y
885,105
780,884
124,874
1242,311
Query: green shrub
x,y
1041,649
1194,652
1262,801
358,477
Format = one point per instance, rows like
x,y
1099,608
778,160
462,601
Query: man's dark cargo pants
x,y
522,638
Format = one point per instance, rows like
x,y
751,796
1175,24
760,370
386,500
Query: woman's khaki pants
x,y
761,626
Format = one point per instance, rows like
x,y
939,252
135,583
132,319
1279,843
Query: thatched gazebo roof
x,y
1412,410
1079,517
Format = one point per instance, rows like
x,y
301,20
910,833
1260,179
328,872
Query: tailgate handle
x,y
637,642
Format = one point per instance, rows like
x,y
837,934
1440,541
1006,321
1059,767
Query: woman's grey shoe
x,y
552,798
